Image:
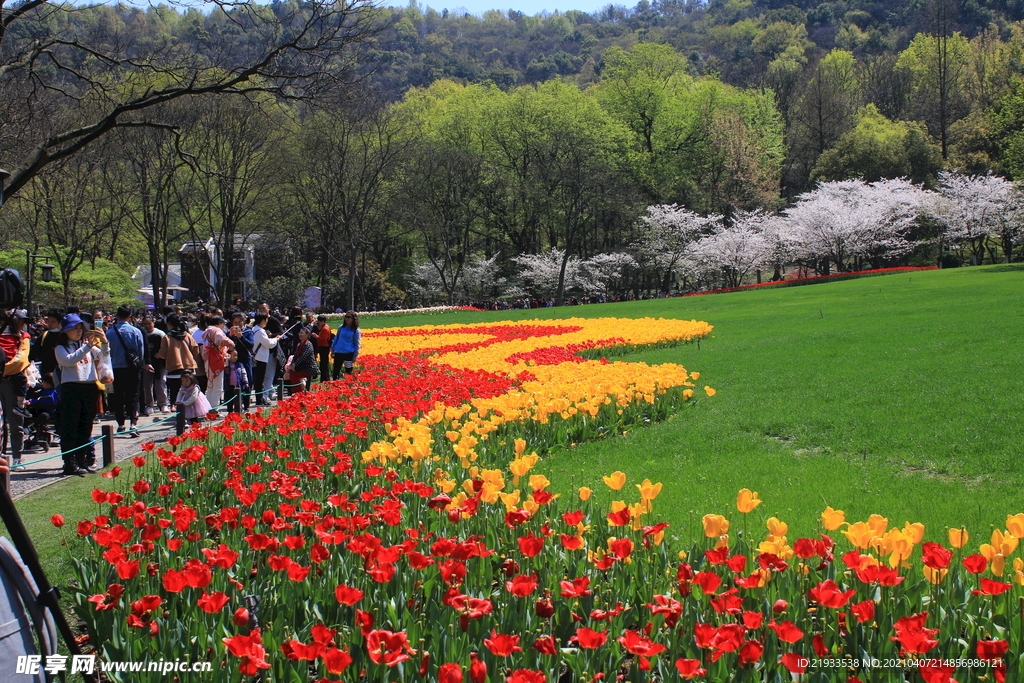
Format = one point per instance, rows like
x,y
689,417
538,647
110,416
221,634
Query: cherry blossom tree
x,y
600,273
667,236
736,250
973,207
542,272
845,220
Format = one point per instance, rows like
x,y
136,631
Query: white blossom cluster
x,y
840,226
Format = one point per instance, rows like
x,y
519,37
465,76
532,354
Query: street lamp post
x,y
30,260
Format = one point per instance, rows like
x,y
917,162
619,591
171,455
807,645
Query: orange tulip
x,y
747,501
615,481
649,491
585,493
1015,525
958,537
832,519
715,525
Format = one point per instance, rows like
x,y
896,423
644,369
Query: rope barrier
x,y
172,416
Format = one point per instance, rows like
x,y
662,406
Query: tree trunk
x,y
353,256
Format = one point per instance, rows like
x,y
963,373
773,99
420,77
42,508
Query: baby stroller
x,y
42,406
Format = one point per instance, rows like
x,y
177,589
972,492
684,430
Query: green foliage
x,y
97,284
878,148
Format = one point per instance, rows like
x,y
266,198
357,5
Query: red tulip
x,y
750,652
794,663
787,631
387,647
212,602
477,669
336,661
347,595
992,649
590,640
250,649
449,673
633,642
501,644
522,586
935,556
545,645
975,564
575,588
531,545
990,587
827,594
526,676
864,611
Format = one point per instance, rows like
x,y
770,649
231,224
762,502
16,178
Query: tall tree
x,y
50,65
146,183
348,154
236,150
825,110
938,65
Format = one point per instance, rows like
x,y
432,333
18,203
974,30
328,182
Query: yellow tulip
x,y
958,537
538,482
832,519
709,391
490,493
715,525
722,542
511,500
1015,525
934,575
585,493
618,505
649,491
860,534
914,531
615,481
520,445
878,524
530,506
747,501
695,376
777,528
687,395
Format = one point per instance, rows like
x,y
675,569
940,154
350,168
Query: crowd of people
x,y
67,367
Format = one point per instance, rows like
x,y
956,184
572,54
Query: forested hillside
x,y
448,144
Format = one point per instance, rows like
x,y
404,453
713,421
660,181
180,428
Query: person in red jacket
x,y
324,337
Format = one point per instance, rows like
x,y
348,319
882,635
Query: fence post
x,y
280,389
108,444
179,422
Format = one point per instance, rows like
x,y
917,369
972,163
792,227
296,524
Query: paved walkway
x,y
43,468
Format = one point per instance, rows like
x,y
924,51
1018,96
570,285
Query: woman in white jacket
x,y
83,358
266,359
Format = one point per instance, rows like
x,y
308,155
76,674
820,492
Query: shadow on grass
x,y
1004,268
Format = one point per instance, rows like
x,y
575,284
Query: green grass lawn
x,y
898,395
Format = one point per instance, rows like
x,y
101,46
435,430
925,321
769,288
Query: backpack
x,y
11,288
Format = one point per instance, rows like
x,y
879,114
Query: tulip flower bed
x,y
388,528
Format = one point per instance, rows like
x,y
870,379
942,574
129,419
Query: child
x,y
192,398
42,403
238,381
